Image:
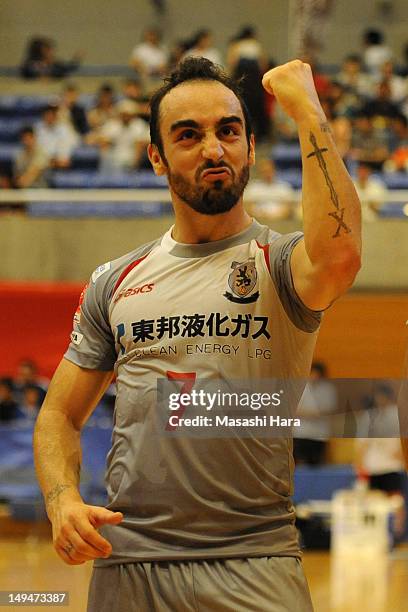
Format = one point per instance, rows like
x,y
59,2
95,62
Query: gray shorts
x,y
259,584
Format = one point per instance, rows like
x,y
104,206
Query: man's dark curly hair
x,y
192,69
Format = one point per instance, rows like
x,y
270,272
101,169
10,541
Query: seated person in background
x,y
381,108
132,90
56,137
202,46
123,140
8,405
376,52
318,403
27,376
149,58
352,77
368,143
104,109
267,196
398,160
31,402
71,111
31,163
397,84
371,191
40,61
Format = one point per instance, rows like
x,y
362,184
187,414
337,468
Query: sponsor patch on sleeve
x,y
100,270
76,337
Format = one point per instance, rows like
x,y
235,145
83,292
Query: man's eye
x,y
187,135
228,131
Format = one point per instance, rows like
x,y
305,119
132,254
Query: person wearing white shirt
x,y
202,47
371,191
123,139
149,57
56,137
269,197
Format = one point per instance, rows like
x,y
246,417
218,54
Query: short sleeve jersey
x,y
221,310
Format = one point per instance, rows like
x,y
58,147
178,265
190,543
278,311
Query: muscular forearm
x,y
57,455
331,209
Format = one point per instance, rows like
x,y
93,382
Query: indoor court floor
x,y
28,562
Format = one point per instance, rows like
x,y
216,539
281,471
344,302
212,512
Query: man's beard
x,y
212,200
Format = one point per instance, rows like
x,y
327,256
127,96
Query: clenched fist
x,y
293,87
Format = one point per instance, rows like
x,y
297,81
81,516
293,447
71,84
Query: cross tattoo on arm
x,y
339,214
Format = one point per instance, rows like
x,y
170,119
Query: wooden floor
x,y
28,562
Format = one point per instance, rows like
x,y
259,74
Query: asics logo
x,y
147,288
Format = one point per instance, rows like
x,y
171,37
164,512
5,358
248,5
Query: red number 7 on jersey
x,y
188,379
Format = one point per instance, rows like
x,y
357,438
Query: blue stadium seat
x,y
109,209
8,153
85,157
10,128
287,156
23,106
313,483
393,210
395,181
86,179
293,176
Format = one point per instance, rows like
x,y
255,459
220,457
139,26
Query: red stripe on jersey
x,y
127,270
265,249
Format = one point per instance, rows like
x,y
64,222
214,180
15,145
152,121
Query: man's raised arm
x,y
326,262
73,394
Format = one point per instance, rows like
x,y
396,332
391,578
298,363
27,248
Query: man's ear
x,y
159,166
251,155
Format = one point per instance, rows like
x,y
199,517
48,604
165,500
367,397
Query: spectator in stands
x,y
177,51
381,108
246,60
27,376
398,160
40,61
202,46
376,52
104,109
149,58
71,111
123,140
371,191
31,402
267,196
368,144
8,405
31,163
317,405
58,139
245,46
397,84
379,456
132,90
343,103
352,77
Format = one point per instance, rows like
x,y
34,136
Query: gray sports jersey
x,y
220,310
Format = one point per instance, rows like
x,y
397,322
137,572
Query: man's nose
x,y
212,147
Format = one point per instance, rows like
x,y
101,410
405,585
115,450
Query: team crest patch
x,y
243,281
77,337
100,270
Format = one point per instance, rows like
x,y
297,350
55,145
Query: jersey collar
x,y
179,249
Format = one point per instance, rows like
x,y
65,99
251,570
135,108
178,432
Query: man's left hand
x,y
293,87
